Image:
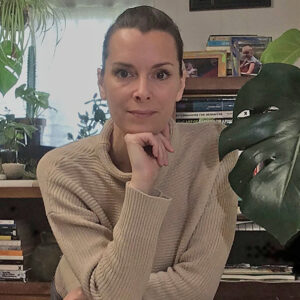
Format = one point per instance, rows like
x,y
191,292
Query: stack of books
x,y
258,273
16,245
201,108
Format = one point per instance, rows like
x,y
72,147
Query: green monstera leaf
x,y
285,49
269,136
11,62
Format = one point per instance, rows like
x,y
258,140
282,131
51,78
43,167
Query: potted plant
x,y
17,17
91,124
12,136
39,103
269,137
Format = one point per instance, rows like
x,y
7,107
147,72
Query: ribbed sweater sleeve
x,y
117,264
199,269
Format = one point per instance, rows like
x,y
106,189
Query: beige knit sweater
x,y
119,243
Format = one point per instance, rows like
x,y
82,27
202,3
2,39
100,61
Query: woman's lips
x,y
142,113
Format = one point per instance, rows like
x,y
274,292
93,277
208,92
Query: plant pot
x,y
13,170
37,136
8,156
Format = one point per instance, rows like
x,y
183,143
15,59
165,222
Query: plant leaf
x,y
285,49
271,198
11,62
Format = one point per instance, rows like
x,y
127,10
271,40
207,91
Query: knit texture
x,y
119,243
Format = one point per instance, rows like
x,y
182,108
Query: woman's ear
x,y
182,84
100,83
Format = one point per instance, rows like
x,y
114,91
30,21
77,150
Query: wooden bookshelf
x,y
19,189
10,290
216,85
243,290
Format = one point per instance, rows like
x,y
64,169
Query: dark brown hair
x,y
144,18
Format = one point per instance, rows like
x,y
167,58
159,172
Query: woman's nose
x,y
142,91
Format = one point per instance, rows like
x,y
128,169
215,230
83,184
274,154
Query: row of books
x,y
16,245
237,47
194,109
244,272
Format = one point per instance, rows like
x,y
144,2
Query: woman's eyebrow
x,y
121,64
162,64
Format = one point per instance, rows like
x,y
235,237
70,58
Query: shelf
x,y
19,189
10,290
250,290
216,85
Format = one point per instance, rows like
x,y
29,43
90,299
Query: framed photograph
x,y
227,4
205,63
249,50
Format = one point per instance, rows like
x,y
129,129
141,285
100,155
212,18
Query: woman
x,y
144,209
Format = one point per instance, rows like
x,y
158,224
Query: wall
x,y
197,26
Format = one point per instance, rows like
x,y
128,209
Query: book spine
x,y
7,222
203,106
11,267
12,232
11,262
11,257
205,114
11,252
10,248
10,243
8,227
214,43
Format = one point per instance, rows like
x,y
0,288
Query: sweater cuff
x,y
142,214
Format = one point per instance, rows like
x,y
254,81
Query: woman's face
x,y
141,81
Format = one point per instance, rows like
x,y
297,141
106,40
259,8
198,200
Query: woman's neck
x,y
118,151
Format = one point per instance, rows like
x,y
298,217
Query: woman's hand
x,y
76,294
147,153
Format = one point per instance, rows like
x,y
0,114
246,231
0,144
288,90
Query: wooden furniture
x,y
244,290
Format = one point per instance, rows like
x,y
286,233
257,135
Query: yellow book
x,y
5,237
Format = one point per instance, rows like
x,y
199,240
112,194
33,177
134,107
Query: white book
x,y
10,242
11,267
257,277
7,222
19,183
204,114
11,257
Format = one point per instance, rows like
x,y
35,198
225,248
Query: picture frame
x,y
196,5
205,63
249,50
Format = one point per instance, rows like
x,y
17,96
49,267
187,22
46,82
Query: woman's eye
x,y
162,75
122,74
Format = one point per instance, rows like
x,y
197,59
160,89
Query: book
x,y
247,269
273,277
11,232
204,114
7,237
205,104
10,248
11,267
13,275
11,257
11,252
7,222
15,243
11,262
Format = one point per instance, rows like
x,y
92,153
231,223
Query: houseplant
x,y
20,21
91,124
12,136
39,103
269,137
